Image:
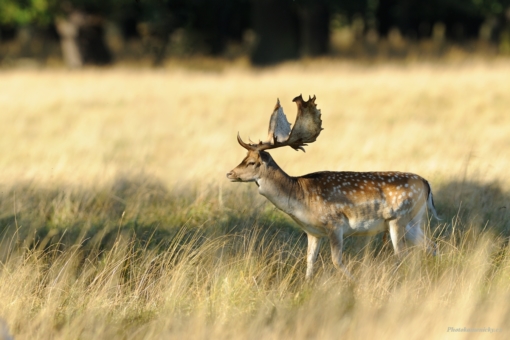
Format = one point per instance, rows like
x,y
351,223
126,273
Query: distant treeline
x,y
269,31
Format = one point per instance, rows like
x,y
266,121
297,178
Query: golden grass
x,y
117,221
435,120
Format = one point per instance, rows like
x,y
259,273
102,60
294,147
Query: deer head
x,y
306,129
252,166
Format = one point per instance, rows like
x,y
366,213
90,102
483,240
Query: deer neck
x,y
281,189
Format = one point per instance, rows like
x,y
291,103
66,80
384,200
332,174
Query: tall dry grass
x,y
117,221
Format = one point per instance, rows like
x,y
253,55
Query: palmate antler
x,y
306,129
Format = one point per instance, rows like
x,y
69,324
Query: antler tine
x,y
247,146
279,127
306,129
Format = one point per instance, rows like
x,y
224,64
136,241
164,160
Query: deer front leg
x,y
336,241
313,249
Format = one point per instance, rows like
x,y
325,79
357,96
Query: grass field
x,y
117,220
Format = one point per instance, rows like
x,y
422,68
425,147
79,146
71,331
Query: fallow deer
x,y
335,204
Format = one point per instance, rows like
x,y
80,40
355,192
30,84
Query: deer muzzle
x,y
232,176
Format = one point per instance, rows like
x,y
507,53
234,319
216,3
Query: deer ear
x,y
264,156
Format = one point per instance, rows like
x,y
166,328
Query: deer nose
x,y
230,174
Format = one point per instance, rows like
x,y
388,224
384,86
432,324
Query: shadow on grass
x,y
470,204
141,208
137,208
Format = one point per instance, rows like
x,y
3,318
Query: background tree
x,y
284,29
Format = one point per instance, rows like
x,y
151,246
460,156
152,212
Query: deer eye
x,y
251,163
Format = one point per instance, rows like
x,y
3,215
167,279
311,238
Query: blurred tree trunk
x,y
68,30
314,28
276,25
385,15
287,30
92,43
82,40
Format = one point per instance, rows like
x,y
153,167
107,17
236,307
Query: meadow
x,y
117,220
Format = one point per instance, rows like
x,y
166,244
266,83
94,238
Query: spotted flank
x,y
388,194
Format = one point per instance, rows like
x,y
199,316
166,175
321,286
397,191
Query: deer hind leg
x,y
336,241
397,235
397,229
313,249
415,235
